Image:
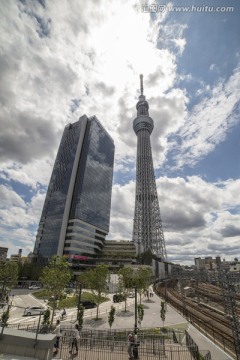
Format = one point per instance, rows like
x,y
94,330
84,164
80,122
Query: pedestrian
x,y
135,345
57,331
75,339
131,340
64,314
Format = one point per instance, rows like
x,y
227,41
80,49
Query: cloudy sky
x,y
62,59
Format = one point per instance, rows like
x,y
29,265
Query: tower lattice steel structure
x,y
147,227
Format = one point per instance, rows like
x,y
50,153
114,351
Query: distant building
x,y
117,253
200,263
30,257
207,263
164,269
114,254
76,212
218,261
3,253
235,267
16,257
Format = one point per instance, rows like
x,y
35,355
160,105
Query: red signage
x,y
76,257
80,257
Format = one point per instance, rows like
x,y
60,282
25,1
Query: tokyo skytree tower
x,y
147,226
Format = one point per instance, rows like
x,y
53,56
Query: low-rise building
x,y
16,257
3,253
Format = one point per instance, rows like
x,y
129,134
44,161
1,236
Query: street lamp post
x,y
79,299
135,324
39,320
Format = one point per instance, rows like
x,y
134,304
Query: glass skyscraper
x,y
76,212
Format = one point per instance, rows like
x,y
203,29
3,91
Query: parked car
x,y
131,295
118,298
34,287
88,304
34,310
69,291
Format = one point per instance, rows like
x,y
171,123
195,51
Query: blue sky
x,y
60,60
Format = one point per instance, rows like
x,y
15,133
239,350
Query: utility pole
x,y
79,299
229,292
135,323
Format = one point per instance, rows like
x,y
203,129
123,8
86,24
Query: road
x,y
22,298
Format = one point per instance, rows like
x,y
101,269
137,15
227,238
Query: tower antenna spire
x,y
147,223
141,83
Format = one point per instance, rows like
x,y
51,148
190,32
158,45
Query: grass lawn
x,y
68,302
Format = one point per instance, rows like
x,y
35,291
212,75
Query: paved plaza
x,y
152,319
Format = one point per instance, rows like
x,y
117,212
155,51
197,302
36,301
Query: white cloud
x,y
18,219
8,196
31,174
209,122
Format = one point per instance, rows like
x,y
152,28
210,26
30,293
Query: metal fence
x,y
193,348
158,334
155,343
92,349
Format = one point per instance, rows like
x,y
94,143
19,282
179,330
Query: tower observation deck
x,y
147,223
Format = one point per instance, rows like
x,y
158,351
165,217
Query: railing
x,y
155,343
153,334
193,348
95,348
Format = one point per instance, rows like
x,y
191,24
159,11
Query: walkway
x,y
152,319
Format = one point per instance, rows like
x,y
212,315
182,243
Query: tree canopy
x,y
8,276
130,278
96,280
126,282
55,277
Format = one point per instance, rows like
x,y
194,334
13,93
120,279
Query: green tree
x,y
97,281
46,317
80,316
144,278
5,317
55,277
126,282
31,271
163,311
140,311
111,316
46,320
8,277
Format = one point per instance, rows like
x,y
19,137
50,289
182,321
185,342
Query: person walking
x,y
64,314
131,340
75,339
57,331
135,346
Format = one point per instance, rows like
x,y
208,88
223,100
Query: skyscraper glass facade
x,y
76,212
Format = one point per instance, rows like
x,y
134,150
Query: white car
x,y
131,295
34,287
34,310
